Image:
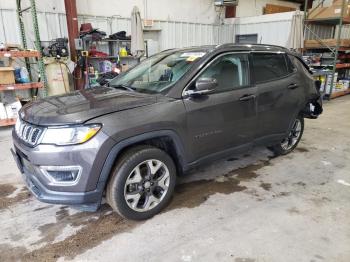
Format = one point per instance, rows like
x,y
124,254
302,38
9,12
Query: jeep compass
x,y
128,141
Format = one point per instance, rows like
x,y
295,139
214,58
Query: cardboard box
x,y
7,75
333,11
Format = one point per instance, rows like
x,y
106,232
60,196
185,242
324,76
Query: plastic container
x,y
21,75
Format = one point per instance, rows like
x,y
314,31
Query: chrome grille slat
x,y
21,130
35,134
29,133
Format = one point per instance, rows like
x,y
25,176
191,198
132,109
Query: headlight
x,y
69,135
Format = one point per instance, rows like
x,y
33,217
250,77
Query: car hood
x,y
80,106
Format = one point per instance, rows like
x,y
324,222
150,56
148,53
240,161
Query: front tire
x,y
288,144
142,183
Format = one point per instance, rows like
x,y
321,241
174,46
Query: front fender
x,y
118,147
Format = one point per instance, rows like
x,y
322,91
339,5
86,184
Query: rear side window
x,y
301,65
267,67
290,65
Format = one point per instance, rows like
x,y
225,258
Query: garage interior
x,y
248,207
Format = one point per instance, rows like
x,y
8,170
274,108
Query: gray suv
x,y
178,109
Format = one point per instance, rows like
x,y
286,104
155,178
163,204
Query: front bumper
x,y
86,193
85,200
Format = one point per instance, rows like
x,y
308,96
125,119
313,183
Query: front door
x,y
225,118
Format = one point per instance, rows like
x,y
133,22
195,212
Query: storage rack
x,y
19,86
335,45
36,54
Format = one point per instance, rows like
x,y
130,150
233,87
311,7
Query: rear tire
x,y
142,183
288,144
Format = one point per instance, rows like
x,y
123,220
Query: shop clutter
x,y
103,58
328,54
322,66
13,76
56,48
13,73
9,110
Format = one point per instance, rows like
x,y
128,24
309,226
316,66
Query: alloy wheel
x,y
147,185
293,136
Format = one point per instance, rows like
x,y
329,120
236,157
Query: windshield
x,y
158,72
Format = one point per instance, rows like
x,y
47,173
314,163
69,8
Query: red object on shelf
x,y
343,56
19,54
8,122
21,86
95,53
343,65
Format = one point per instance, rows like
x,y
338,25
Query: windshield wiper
x,y
125,87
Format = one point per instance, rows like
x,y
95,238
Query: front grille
x,y
29,133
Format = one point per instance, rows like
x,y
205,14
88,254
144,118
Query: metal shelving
x,y
26,54
11,55
41,66
334,44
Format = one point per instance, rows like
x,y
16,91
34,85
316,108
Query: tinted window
x,y
267,67
231,71
301,64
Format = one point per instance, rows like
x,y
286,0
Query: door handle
x,y
246,97
293,86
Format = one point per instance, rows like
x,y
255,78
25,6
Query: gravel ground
x,y
249,207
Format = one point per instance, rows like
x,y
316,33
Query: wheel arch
x,y
168,140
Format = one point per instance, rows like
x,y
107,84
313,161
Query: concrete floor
x,y
246,208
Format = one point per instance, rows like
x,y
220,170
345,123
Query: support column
x,y
73,33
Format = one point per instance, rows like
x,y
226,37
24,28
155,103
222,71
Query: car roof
x,y
253,47
233,47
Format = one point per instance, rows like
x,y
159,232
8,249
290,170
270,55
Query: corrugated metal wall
x,y
274,32
169,34
325,31
53,25
319,31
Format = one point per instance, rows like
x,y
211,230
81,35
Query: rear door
x,y
278,93
225,118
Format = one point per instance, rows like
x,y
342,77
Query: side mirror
x,y
203,86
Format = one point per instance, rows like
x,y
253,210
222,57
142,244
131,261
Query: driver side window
x,y
231,72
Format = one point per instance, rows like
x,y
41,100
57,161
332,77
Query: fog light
x,y
62,175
